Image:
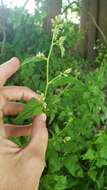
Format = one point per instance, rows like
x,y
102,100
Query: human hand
x,y
20,169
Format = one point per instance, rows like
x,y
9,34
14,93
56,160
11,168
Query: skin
x,y
20,169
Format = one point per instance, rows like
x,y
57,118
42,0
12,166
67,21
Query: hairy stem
x,y
47,64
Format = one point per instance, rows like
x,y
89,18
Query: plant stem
x,y
51,81
47,64
62,92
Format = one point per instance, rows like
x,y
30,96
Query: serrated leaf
x,y
92,173
72,165
90,155
63,80
32,108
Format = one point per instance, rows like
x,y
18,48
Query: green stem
x,y
47,64
51,81
62,92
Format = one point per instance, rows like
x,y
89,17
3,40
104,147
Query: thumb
x,y
39,137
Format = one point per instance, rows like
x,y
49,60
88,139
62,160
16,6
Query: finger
x,y
12,108
17,130
2,103
2,132
39,138
8,69
1,118
18,93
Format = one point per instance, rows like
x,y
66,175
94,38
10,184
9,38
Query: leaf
x,y
101,162
100,181
32,108
90,155
102,139
72,165
56,182
92,173
63,80
55,162
38,58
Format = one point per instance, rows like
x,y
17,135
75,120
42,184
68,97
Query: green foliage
x,y
24,34
76,107
31,109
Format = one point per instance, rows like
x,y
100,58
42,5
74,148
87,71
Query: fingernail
x,y
15,60
44,117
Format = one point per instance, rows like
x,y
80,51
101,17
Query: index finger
x,y
8,69
11,93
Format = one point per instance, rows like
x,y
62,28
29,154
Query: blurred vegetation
x,y
76,97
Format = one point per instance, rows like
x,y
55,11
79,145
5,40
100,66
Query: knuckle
x,y
29,91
